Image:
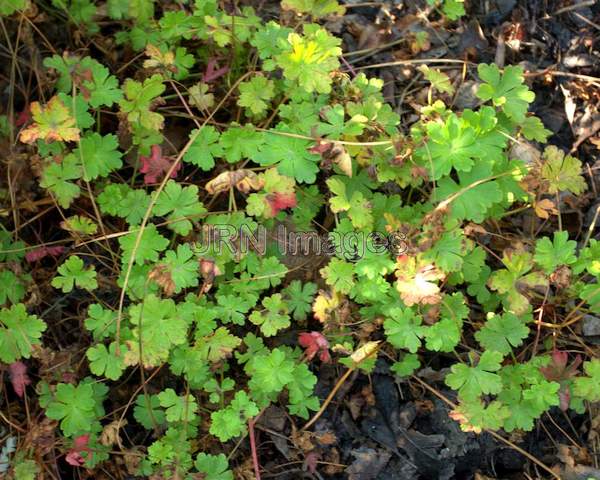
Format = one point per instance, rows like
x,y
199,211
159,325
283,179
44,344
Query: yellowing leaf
x,y
438,79
562,172
244,180
51,123
367,350
416,282
324,304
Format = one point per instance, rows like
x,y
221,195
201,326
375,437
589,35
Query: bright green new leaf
x,y
147,411
291,156
103,88
271,373
552,254
442,336
157,327
339,274
204,149
56,178
543,395
336,127
105,362
100,321
405,367
275,317
315,8
502,332
133,206
233,309
231,421
178,203
471,382
532,128
299,298
506,90
178,408
356,206
149,247
309,59
190,362
589,259
472,197
99,155
213,467
19,332
403,329
588,387
256,94
452,144
301,388
12,287
8,7
74,406
73,274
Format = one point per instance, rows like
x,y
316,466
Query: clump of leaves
x,y
173,273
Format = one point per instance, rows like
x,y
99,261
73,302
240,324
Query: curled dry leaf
x,y
244,180
110,433
162,276
544,208
334,153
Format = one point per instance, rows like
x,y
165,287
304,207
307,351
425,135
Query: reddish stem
x,y
253,448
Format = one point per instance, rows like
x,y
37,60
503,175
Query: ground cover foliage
x,y
133,336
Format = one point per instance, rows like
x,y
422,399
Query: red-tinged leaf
x,y
24,117
321,147
41,252
19,379
280,201
558,370
156,166
80,444
74,458
211,74
311,460
315,342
